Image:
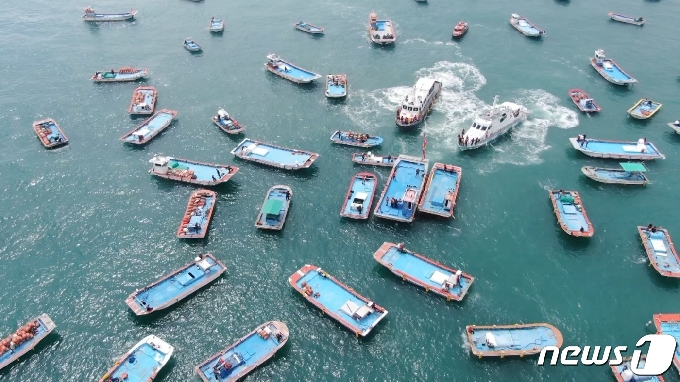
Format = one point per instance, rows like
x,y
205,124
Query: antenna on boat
x,y
495,100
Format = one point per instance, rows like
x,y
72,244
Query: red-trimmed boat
x,y
571,215
669,323
359,197
460,29
583,101
143,100
660,250
197,215
441,190
49,133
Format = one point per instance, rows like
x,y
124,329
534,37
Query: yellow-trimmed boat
x,y
644,109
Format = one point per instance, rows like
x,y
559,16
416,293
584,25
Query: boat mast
x,y
495,100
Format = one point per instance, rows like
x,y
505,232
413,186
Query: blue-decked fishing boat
x,y
273,155
25,339
289,71
571,215
216,25
91,15
191,45
309,28
244,355
525,26
332,297
381,32
629,173
596,148
627,19
424,272
148,129
401,194
669,323
441,190
197,215
660,250
512,340
228,124
644,108
175,287
143,100
141,363
336,85
610,70
623,373
359,197
275,208
373,160
350,138
126,74
184,170
49,133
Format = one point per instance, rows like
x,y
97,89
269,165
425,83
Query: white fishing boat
x,y
91,15
418,102
492,123
216,25
191,45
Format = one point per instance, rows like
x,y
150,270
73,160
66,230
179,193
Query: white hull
x,y
676,128
498,120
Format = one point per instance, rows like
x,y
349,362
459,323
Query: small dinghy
x,y
193,172
228,124
273,155
424,272
381,32
336,85
124,74
441,190
644,108
244,355
571,215
191,45
359,197
668,323
309,28
460,29
623,372
197,215
141,363
337,300
216,25
629,173
583,101
627,19
25,339
525,26
285,69
355,139
143,100
596,148
91,15
176,286
275,208
660,250
610,70
49,133
148,129
401,194
372,160
675,126
512,340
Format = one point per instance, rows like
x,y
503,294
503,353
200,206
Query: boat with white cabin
x,y
610,70
418,102
492,123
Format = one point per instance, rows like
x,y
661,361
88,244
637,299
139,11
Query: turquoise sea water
x,y
85,225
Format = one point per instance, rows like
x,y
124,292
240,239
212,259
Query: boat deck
x,y
45,327
333,90
571,215
272,155
441,192
361,183
616,73
267,220
350,138
527,28
643,110
196,227
49,133
289,70
118,76
661,251
612,175
513,340
216,25
150,128
148,97
669,323
406,175
617,149
140,365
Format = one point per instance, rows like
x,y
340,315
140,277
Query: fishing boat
x,y
583,101
355,139
571,215
660,250
49,133
143,100
675,126
424,272
525,26
289,71
191,45
25,339
148,129
491,124
336,85
176,286
460,29
644,108
228,124
381,32
91,15
141,363
193,172
340,302
359,197
373,160
274,208
418,102
216,25
441,190
244,355
669,323
309,28
401,194
623,372
626,19
197,215
512,340
273,155
629,173
610,70
125,74
596,148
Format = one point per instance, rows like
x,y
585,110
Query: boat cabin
x,y
358,201
160,164
633,168
357,312
410,197
446,282
599,57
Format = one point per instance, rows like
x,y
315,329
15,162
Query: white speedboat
x,y
191,45
216,25
418,102
492,123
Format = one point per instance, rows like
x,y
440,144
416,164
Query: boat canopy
x,y
361,196
272,207
633,167
222,113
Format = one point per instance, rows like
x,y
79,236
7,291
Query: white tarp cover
x,y
361,195
261,151
658,245
143,131
632,149
439,277
204,264
349,308
491,340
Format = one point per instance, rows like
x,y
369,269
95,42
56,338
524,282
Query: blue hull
x,y
141,363
148,129
355,139
570,213
617,149
614,176
616,76
512,340
441,191
291,72
401,194
183,170
360,194
273,155
39,329
660,251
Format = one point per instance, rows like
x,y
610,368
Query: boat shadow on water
x,y
169,185
563,2
309,87
302,173
53,340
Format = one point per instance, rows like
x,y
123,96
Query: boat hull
x,y
638,111
452,175
361,158
343,138
577,95
461,32
238,130
522,115
162,118
277,192
656,154
45,327
586,227
616,176
477,334
209,198
143,93
667,264
675,127
104,17
231,171
356,185
427,108
312,30
534,31
379,40
406,181
216,27
669,321
49,133
616,81
625,19
162,350
256,151
330,90
127,77
290,71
